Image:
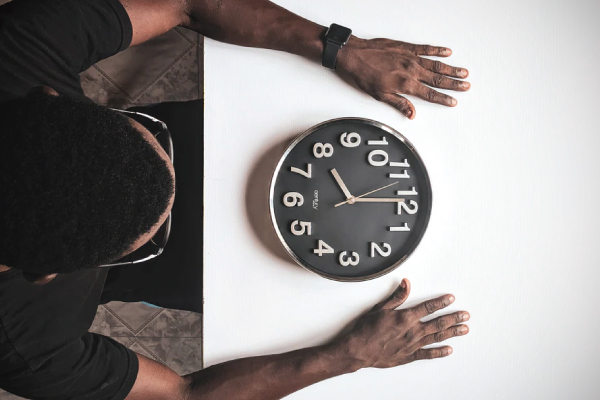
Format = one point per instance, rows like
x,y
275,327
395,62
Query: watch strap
x,y
330,52
334,39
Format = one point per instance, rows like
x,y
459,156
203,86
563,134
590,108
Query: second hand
x,y
366,194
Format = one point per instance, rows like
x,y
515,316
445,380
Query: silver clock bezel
x,y
287,151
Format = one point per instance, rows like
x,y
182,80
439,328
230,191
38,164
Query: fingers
x,y
430,306
458,330
400,103
441,68
431,95
397,298
441,323
430,354
427,50
442,82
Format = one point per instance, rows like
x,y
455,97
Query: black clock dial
x,y
370,234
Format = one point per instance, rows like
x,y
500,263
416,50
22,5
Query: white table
x,y
515,223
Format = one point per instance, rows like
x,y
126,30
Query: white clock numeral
x,y
306,227
403,228
382,142
403,164
306,174
406,207
347,139
382,253
322,150
324,248
344,262
411,192
378,153
292,199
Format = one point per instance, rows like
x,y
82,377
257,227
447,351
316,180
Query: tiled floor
x,y
167,68
171,337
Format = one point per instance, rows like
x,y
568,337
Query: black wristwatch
x,y
335,38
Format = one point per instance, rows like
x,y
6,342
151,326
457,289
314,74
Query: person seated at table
x,y
82,185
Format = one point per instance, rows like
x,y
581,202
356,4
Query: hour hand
x,y
340,182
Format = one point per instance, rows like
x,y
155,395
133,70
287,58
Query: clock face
x,y
350,199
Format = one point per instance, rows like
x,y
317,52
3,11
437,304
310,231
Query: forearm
x,y
256,23
268,377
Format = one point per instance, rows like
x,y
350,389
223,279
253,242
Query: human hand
x,y
385,69
385,337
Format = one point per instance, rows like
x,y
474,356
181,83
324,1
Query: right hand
x,y
386,69
386,337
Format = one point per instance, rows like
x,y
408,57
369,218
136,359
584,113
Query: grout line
x,y
145,324
160,75
150,352
133,331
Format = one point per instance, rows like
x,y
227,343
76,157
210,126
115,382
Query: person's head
x,y
80,185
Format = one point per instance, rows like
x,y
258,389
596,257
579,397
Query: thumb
x,y
400,103
397,298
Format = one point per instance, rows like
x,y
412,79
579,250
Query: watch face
x,y
350,199
338,34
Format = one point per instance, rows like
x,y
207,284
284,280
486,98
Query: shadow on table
x,y
257,200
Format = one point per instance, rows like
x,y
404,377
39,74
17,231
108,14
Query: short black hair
x,y
78,184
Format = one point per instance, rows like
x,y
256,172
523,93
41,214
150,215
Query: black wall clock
x,y
350,199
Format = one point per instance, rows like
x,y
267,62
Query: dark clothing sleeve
x,y
49,42
46,351
94,367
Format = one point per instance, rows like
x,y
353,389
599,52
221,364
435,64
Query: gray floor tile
x,y
107,324
99,89
166,68
174,323
183,355
179,83
140,349
135,316
137,68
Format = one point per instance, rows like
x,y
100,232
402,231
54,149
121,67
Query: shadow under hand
x,y
257,200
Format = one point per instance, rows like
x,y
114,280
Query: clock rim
x,y
282,159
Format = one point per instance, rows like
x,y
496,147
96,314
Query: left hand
x,y
385,69
385,337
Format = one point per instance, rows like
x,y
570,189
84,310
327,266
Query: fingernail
x,y
464,329
447,52
463,72
454,102
451,299
466,317
403,285
408,114
465,85
449,351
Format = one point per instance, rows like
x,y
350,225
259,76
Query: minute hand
x,y
366,194
377,200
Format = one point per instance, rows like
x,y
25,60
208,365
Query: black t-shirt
x,y
46,351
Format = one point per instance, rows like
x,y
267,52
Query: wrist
x,y
341,351
347,56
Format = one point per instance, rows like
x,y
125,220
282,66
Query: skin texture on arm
x,y
381,338
383,68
